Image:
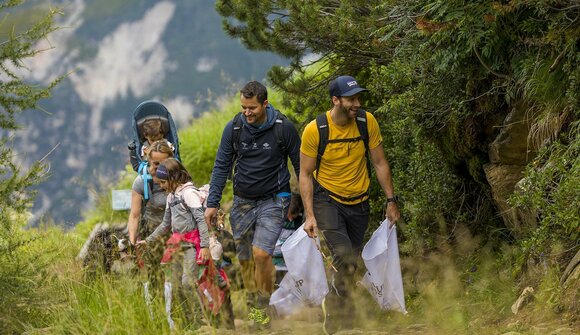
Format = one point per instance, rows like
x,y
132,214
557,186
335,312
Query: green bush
x,y
550,191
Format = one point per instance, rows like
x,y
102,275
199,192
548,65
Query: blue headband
x,y
162,173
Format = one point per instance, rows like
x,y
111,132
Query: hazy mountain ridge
x,y
173,51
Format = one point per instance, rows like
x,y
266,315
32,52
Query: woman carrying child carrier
x,y
147,214
188,244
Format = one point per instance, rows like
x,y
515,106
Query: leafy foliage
x,y
443,76
550,189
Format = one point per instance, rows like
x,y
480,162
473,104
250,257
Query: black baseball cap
x,y
344,86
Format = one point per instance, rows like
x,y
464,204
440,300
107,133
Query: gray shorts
x,y
257,223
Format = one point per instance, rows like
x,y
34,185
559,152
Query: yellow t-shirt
x,y
343,167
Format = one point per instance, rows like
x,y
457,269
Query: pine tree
x,y
17,271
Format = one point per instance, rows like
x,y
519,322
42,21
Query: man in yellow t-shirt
x,y
335,190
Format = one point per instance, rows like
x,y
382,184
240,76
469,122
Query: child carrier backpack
x,y
151,110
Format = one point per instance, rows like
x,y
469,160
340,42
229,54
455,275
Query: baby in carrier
x,y
153,130
151,122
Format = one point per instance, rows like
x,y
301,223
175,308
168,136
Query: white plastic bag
x,y
284,301
305,283
383,278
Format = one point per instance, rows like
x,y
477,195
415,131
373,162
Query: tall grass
x,y
457,290
105,305
28,277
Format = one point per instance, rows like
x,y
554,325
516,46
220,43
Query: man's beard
x,y
344,111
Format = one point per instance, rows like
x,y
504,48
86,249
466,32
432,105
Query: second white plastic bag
x,y
383,277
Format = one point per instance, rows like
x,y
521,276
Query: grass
x,y
107,305
451,291
199,142
461,288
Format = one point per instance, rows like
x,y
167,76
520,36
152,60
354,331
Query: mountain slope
x,y
118,54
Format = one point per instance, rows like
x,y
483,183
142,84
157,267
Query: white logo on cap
x,y
352,83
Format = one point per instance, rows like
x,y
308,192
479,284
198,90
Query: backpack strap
x,y
148,192
236,131
178,201
323,140
144,173
181,199
237,126
361,123
323,133
279,133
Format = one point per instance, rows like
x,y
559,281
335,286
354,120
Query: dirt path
x,y
311,327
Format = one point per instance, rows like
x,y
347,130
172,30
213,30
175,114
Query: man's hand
x,y
392,212
310,227
204,254
210,215
141,244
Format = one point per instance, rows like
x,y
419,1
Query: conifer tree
x,y
17,269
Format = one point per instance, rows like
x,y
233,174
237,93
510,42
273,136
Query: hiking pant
x,y
183,275
256,223
342,228
151,262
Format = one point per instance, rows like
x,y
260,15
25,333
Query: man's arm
x,y
385,178
307,166
220,172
